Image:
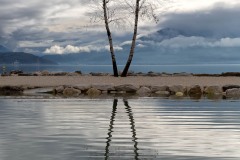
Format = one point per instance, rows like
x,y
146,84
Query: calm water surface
x,y
74,129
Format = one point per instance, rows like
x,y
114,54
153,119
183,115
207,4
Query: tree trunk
x,y
114,63
125,71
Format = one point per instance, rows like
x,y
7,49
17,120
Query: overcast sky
x,y
60,26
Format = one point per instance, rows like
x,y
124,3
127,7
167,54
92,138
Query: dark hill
x,y
3,49
23,58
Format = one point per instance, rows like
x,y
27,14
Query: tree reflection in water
x,y
111,127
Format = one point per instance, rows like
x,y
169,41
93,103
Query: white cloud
x,y
68,49
116,48
56,49
184,42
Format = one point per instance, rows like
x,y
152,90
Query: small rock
x,y
144,91
16,72
93,92
78,72
235,92
45,73
213,90
60,74
177,88
127,88
153,74
71,92
72,74
182,74
226,87
165,93
99,74
179,94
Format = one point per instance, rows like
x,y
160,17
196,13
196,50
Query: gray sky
x,y
60,26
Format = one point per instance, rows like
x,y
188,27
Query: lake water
x,y
146,128
201,68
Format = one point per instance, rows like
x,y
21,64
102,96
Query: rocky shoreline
x,y
151,84
96,90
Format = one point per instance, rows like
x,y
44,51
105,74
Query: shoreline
x,y
142,86
53,81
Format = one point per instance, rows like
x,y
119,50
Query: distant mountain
x,y
23,58
3,49
166,33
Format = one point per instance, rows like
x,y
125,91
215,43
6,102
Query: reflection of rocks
x,y
11,90
71,92
127,88
235,92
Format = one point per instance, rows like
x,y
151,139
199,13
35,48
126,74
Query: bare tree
x,y
107,14
106,19
143,9
126,68
121,13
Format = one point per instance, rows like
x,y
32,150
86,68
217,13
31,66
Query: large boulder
x,y
195,90
71,92
104,87
144,91
159,88
93,92
226,87
213,90
11,90
235,92
127,88
177,88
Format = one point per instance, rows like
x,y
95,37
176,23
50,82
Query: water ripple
x,y
48,129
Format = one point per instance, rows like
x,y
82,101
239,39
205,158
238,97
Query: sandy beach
x,y
45,81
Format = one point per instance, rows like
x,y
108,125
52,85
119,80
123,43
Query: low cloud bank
x,y
56,49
